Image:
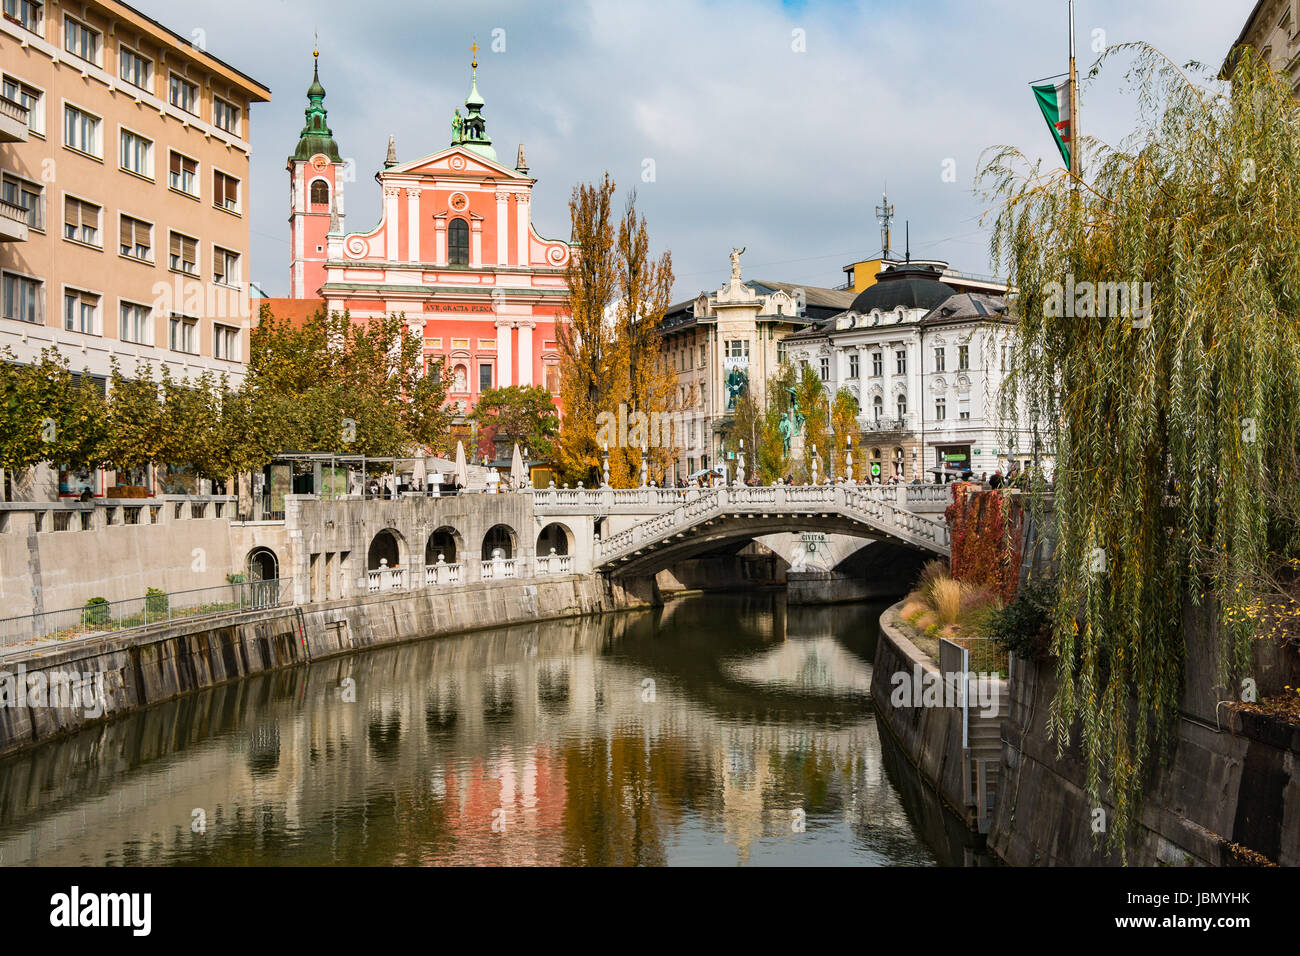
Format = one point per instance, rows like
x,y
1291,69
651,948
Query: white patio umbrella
x,y
517,473
462,471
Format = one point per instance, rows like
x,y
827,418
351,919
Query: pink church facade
x,y
455,251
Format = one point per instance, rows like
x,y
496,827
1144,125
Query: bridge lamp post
x,y
605,465
643,467
848,459
740,464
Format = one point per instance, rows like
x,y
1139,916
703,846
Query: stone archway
x,y
262,565
445,542
555,536
385,550
500,538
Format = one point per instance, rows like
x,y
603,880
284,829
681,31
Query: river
x,y
720,729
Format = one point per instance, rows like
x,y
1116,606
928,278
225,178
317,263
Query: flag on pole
x,y
1054,101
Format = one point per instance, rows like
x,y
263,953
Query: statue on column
x,y
735,261
456,125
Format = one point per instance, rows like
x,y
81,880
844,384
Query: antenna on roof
x,y
885,213
909,240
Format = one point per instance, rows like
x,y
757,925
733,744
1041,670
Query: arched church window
x,y
878,407
320,193
458,242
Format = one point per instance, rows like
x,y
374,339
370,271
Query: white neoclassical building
x,y
925,360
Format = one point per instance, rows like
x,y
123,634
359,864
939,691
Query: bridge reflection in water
x,y
719,729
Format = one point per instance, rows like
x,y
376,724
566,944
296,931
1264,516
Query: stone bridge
x,y
663,525
335,548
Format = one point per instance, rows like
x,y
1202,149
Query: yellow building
x,y
124,163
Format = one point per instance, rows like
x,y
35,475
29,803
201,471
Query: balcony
x,y
13,222
13,121
884,425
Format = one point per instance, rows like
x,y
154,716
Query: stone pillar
x,y
526,327
440,240
412,224
521,227
504,355
390,221
476,244
503,228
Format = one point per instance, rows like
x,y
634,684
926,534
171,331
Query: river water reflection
x,y
717,730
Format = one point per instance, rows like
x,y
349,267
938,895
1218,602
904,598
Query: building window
x,y
225,343
225,266
183,94
136,69
964,414
938,360
183,334
963,357
901,405
940,409
134,323
553,378
81,132
458,242
28,13
1004,358
80,40
80,312
225,115
782,354
826,369
738,348
27,96
900,358
877,408
137,154
135,240
484,377
27,196
183,255
877,364
702,354
853,365
320,192
184,175
22,298
81,221
225,191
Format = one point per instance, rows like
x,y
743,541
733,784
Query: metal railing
x,y
113,616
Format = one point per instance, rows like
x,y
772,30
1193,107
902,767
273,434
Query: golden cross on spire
x,y
473,49
315,51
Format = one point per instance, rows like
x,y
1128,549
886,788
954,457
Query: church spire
x,y
316,136
470,130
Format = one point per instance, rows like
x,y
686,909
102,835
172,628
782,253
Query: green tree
x,y
48,413
519,413
1174,427
844,426
136,426
810,394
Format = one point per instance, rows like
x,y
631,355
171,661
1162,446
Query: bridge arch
x,y
500,537
388,545
445,541
557,536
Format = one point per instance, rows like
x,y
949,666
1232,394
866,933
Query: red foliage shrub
x,y
985,539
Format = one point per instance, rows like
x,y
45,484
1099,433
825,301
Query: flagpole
x,y
1076,142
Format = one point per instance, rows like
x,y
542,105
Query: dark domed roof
x,y
908,286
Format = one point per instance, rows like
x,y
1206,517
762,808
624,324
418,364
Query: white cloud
x,y
754,143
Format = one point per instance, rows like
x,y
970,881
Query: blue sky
x,y
761,136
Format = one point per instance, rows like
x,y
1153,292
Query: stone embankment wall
x,y
930,737
155,664
1231,780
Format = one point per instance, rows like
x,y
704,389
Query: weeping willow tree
x,y
1173,417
